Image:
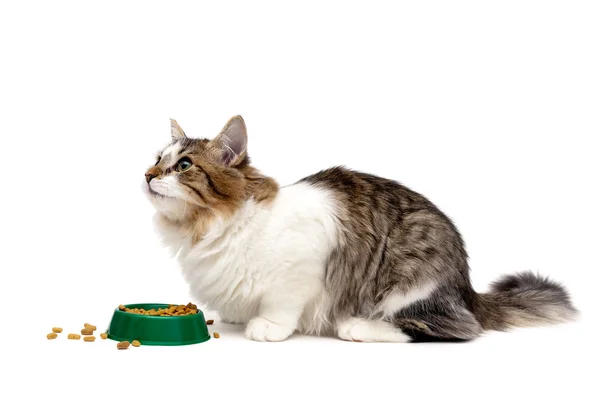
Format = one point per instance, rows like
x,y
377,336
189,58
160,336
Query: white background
x,y
490,109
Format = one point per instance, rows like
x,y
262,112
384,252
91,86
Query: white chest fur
x,y
279,248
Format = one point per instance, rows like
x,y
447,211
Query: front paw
x,y
262,330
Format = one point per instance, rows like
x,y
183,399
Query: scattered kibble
x,y
89,326
216,335
210,322
170,311
122,345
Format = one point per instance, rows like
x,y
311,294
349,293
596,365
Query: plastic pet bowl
x,y
152,330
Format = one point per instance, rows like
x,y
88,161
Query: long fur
x,y
338,253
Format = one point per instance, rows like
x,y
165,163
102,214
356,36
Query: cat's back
x,y
370,208
357,189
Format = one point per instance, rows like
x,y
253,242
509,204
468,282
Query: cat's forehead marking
x,y
171,152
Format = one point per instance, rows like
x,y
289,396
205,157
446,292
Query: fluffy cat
x,y
337,253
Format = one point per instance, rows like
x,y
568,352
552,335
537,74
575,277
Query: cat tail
x,y
522,300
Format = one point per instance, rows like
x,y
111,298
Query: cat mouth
x,y
156,194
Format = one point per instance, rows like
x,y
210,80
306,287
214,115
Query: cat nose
x,y
149,177
152,173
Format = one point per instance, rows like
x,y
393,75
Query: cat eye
x,y
183,165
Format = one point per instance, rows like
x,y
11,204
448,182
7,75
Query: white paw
x,y
364,330
262,330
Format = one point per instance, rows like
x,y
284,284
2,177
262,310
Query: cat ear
x,y
232,141
176,131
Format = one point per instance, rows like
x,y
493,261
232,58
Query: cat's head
x,y
196,175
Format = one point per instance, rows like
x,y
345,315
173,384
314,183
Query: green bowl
x,y
152,330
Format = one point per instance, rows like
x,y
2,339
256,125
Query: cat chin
x,y
171,207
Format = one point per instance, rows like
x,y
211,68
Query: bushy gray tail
x,y
524,299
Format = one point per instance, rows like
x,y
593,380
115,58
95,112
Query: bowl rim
x,y
132,305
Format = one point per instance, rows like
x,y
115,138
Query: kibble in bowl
x,y
169,311
158,324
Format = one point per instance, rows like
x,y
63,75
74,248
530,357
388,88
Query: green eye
x,y
183,165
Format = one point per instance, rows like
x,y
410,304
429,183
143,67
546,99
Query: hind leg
x,y
431,312
367,330
438,324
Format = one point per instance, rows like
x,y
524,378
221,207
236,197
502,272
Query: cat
x,y
339,253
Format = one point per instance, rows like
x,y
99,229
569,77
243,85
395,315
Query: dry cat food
x,y
89,326
122,345
74,336
135,343
103,335
57,330
170,311
52,335
216,335
89,338
86,331
210,322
